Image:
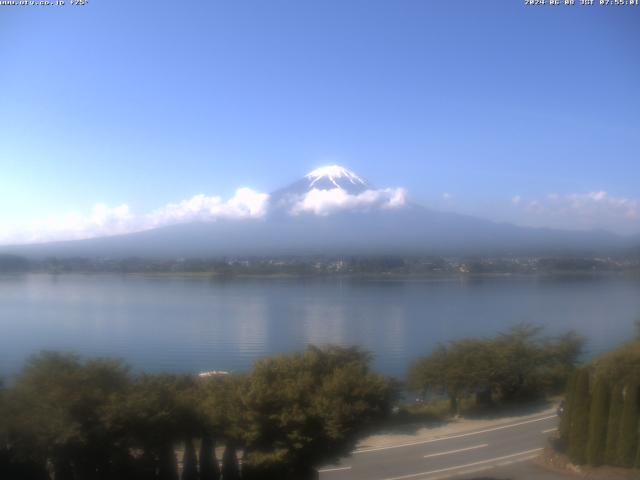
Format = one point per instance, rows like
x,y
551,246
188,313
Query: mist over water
x,y
193,324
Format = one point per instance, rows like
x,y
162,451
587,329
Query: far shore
x,y
382,276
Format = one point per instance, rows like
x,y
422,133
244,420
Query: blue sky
x,y
514,113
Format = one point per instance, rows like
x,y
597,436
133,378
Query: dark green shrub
x,y
565,421
230,468
209,468
579,434
628,439
598,417
189,462
613,425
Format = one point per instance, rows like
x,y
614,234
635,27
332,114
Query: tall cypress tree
x,y
579,433
230,468
167,465
598,416
565,421
613,425
189,462
628,439
209,468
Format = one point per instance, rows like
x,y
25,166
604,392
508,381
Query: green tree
x,y
430,375
209,468
516,365
456,370
579,434
520,359
13,263
230,468
598,416
613,425
57,413
305,409
628,435
565,421
156,414
189,462
559,356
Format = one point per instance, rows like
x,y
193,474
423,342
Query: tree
x,y
158,412
598,416
613,425
189,462
628,435
209,468
57,415
565,421
430,375
579,434
13,263
520,360
461,368
230,468
167,465
559,355
516,365
305,409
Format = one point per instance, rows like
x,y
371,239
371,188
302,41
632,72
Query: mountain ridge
x,y
332,210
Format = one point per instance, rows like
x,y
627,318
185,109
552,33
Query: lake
x,y
184,324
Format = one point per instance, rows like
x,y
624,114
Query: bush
x,y
579,434
565,421
598,417
516,365
628,439
613,425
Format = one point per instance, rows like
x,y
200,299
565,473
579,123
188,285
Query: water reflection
x,y
183,324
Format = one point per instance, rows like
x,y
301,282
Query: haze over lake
x,y
186,324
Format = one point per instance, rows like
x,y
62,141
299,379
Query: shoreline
x,y
391,277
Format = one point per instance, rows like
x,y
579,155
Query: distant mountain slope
x,y
411,231
357,225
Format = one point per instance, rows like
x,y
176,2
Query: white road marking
x,y
458,467
423,442
473,471
336,469
456,451
549,430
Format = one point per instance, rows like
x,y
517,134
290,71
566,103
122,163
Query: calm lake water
x,y
194,324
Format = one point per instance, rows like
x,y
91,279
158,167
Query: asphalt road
x,y
458,455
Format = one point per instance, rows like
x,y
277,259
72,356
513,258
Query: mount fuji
x,y
327,178
331,210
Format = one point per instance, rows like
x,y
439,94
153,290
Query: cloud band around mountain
x,y
597,209
246,203
326,202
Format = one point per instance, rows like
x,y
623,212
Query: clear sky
x,y
506,111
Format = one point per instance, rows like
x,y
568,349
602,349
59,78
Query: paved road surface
x,y
479,453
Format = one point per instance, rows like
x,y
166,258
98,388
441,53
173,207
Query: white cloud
x,y
246,203
103,220
325,202
582,210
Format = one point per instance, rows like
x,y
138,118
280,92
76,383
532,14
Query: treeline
x,y
65,418
516,365
602,413
324,265
13,264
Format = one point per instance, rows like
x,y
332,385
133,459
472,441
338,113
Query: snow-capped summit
x,y
329,177
335,175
